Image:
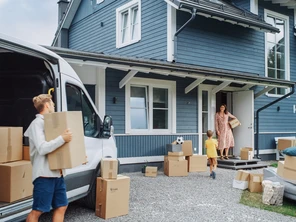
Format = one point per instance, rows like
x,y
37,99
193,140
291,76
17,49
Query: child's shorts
x,y
49,192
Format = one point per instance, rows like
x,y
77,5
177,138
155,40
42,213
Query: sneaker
x,y
214,175
211,174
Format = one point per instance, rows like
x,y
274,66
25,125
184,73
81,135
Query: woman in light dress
x,y
223,130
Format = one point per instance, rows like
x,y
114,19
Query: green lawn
x,y
255,200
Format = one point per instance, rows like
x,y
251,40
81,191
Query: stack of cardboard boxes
x,y
180,157
287,168
112,191
246,180
15,173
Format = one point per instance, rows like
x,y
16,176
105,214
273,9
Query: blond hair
x,y
40,100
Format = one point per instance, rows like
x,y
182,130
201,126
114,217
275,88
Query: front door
x,y
243,109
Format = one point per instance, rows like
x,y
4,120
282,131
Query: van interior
x,y
21,78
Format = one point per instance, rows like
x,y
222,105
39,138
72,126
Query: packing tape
x,y
9,147
110,175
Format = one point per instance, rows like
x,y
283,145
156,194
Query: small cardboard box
x,y
242,175
239,184
280,169
150,171
197,163
173,148
112,198
11,144
70,154
26,153
234,123
255,183
246,153
173,168
186,147
285,143
290,162
175,153
109,168
16,180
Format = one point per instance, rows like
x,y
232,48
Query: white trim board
x,y
142,159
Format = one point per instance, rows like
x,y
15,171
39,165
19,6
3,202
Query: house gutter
x,y
257,118
193,15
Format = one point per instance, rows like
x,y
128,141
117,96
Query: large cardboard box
x,y
112,197
241,180
280,169
109,168
242,175
174,168
150,171
255,183
11,144
186,147
197,163
290,162
176,158
175,153
285,143
173,148
71,154
16,180
246,153
26,153
239,184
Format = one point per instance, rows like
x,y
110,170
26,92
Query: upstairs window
x,y
128,24
277,49
99,1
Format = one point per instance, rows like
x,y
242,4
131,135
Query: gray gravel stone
x,y
193,198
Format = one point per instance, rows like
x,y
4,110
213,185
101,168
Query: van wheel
x,y
90,200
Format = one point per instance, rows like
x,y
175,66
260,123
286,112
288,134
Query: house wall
x,y
86,32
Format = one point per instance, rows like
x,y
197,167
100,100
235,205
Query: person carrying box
x,y
211,146
49,185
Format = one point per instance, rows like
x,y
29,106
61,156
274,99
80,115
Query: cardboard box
x,y
186,147
290,162
112,197
197,163
240,184
173,168
255,183
280,169
176,158
150,171
175,153
285,143
109,168
173,148
242,175
16,180
234,123
26,153
246,153
71,154
11,144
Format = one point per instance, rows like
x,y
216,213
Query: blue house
x,y
162,69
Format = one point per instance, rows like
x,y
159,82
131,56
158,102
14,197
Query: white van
x,y
27,70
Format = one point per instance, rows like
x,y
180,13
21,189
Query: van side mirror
x,y
107,126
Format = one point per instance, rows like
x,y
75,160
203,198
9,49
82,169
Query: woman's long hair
x,y
225,111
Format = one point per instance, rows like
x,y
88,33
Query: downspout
x,y
193,15
257,118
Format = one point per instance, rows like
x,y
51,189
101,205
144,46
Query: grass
x,y
274,165
255,200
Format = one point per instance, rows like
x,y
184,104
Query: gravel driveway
x,y
193,198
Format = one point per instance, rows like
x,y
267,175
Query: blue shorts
x,y
49,192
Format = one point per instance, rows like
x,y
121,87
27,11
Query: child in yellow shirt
x,y
211,146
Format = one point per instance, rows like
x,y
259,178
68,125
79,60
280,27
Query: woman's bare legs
x,y
226,153
221,154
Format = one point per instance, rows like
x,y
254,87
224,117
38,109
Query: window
x,y
128,24
78,101
150,106
99,1
277,49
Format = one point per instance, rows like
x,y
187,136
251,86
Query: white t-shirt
x,y
39,148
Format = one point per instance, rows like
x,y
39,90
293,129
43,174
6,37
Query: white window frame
x,y
152,83
119,11
100,1
287,46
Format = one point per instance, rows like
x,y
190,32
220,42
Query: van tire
x,y
89,201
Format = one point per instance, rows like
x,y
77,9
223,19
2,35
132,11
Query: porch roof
x,y
226,11
220,77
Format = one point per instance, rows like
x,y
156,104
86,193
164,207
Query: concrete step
x,y
243,167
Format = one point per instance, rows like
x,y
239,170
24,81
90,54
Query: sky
x,y
35,21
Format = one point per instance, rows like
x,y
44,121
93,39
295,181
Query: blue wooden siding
x,y
187,115
284,120
87,34
147,145
267,140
